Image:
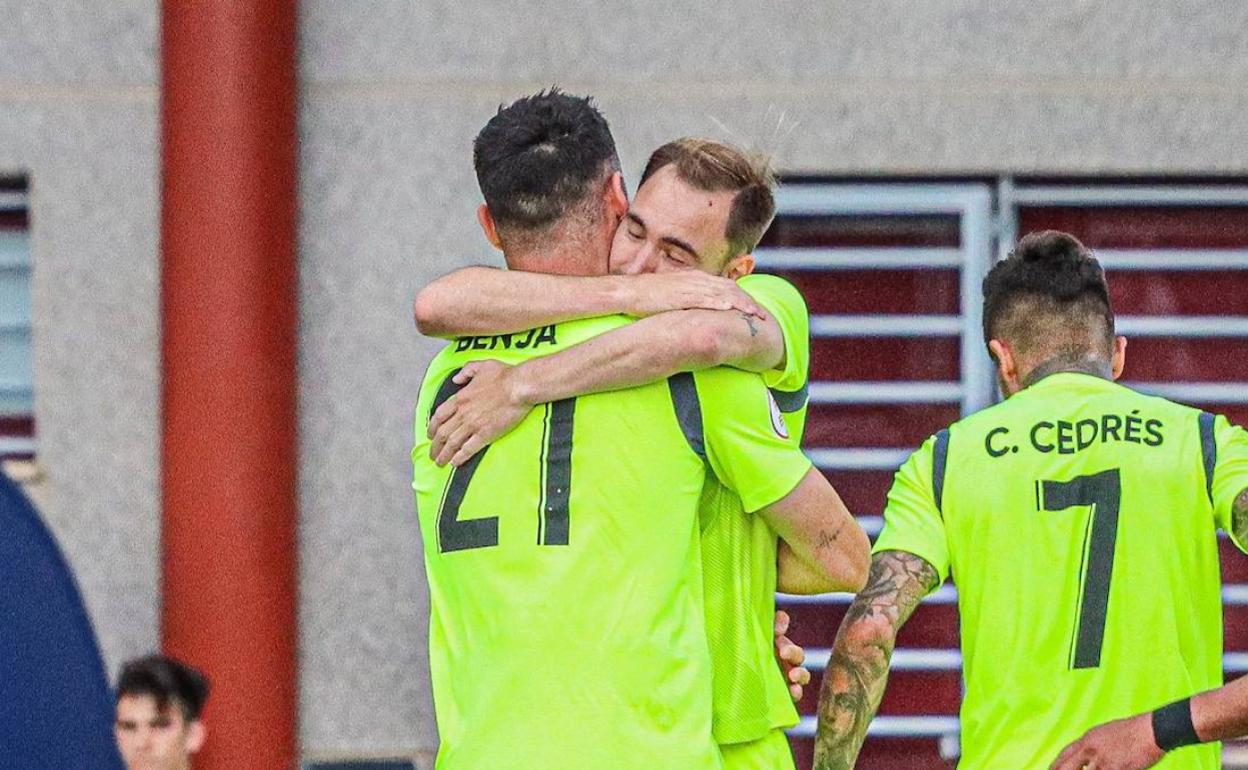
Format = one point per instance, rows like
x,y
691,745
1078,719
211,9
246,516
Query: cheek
x,y
624,255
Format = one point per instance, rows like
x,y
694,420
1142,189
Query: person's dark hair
x,y
167,680
540,157
1051,292
713,166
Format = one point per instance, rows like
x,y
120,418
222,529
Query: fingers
x,y
799,675
465,375
795,692
440,416
440,437
789,652
744,303
1071,758
470,448
782,623
454,443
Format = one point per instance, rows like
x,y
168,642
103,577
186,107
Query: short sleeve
x,y
782,299
746,442
912,520
1230,473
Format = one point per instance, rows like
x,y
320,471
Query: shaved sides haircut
x,y
1050,296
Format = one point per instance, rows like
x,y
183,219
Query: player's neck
x,y
564,259
1069,364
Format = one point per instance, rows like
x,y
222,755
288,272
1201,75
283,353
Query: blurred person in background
x,y
1077,518
159,703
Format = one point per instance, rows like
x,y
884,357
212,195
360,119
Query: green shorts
x,y
771,752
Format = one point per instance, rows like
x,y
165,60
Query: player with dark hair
x,y
566,622
1077,519
159,702
701,209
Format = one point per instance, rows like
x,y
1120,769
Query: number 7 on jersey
x,y
1103,493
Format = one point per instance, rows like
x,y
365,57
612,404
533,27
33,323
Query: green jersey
x,y
566,622
1078,519
739,551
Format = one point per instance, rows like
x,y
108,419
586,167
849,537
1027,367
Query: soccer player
x,y
702,206
566,623
159,701
1139,742
1078,521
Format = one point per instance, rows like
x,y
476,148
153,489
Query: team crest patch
x,y
777,419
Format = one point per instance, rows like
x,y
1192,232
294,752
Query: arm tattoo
x,y
827,540
853,683
1239,517
749,321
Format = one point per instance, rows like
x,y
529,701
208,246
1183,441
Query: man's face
x,y
672,226
151,739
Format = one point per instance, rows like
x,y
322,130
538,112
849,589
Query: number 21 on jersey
x,y
456,534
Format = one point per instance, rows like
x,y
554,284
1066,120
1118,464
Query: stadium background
x,y
1124,123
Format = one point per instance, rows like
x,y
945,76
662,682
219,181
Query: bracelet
x,y
1172,726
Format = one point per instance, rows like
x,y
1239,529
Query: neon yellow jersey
x,y
1078,519
739,551
565,585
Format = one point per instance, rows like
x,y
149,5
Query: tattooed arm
x,y
1239,518
853,683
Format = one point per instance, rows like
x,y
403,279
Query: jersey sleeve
x,y
745,441
912,520
1230,474
782,299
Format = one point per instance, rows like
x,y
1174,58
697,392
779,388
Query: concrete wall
x,y
392,94
78,114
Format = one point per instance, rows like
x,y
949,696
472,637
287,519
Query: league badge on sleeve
x,y
777,419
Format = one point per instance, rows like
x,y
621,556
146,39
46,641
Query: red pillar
x,y
228,292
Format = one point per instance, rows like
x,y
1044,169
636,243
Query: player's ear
x,y
1007,366
1120,356
616,196
738,266
488,227
195,735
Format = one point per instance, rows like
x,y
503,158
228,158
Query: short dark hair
x,y
168,680
1050,291
539,157
713,166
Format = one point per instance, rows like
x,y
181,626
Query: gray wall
x,y
392,94
78,113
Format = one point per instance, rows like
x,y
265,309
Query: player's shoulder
x,y
762,286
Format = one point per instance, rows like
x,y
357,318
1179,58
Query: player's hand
x,y
482,411
653,293
1127,744
790,657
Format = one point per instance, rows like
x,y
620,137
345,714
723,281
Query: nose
x,y
645,261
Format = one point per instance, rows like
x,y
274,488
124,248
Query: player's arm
x,y
1229,490
497,397
822,546
486,300
853,683
911,559
1139,742
751,456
